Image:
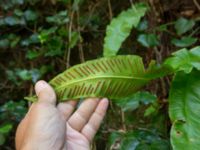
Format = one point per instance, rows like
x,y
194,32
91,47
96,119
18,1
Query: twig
x,y
68,53
159,60
110,10
197,4
123,120
80,46
90,15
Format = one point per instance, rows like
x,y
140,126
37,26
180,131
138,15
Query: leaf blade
x,y
103,78
184,103
120,28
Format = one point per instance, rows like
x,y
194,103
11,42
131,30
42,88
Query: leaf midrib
x,y
101,77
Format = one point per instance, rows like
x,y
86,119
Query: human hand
x,y
50,127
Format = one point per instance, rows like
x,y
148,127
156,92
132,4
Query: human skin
x,y
48,126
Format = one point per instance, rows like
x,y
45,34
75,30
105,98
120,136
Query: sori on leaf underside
x,y
113,77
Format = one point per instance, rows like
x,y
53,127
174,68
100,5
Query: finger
x,y
90,129
66,108
82,115
45,92
22,127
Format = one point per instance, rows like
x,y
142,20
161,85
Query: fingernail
x,y
39,86
105,102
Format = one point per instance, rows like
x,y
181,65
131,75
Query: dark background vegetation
x,y
41,38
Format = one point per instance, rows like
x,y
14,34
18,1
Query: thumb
x,y
45,92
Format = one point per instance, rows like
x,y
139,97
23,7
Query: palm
x,y
83,124
76,139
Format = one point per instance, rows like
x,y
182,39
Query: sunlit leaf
x,y
184,60
184,104
120,28
113,77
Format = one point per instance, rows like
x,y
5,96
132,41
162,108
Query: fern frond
x,y
112,77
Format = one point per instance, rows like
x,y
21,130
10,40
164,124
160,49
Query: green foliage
x,y
34,43
138,140
134,101
59,19
148,40
11,113
120,28
18,75
112,77
184,103
74,39
184,41
4,130
184,60
183,25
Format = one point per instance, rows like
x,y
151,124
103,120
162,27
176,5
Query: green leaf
x,y
184,104
74,39
152,109
54,47
143,140
30,15
33,39
113,77
18,12
183,25
143,25
162,28
45,34
133,102
23,74
59,19
120,28
4,43
148,40
113,138
11,21
184,41
6,128
184,60
32,54
15,109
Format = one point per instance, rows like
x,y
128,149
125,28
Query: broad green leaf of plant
x,y
30,15
138,140
183,25
148,40
120,28
184,60
6,128
184,41
143,25
184,104
133,102
113,77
